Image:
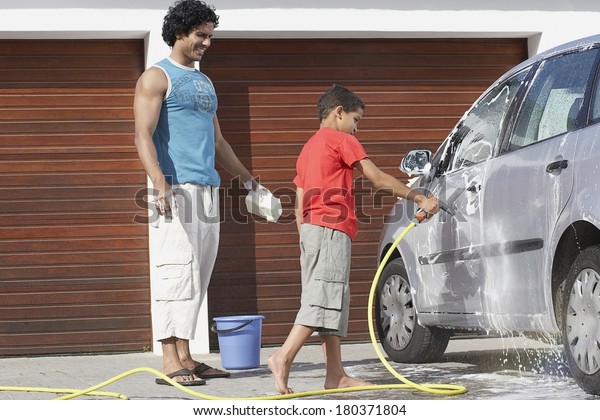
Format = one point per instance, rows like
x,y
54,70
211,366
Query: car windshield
x,y
474,138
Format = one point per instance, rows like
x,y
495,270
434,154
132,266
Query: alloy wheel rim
x,y
397,313
583,321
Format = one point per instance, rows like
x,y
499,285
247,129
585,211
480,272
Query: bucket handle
x,y
214,329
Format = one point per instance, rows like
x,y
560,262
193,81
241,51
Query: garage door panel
x,y
74,48
57,258
70,325
282,162
68,166
362,60
16,232
235,265
454,76
271,306
70,247
66,154
77,180
124,61
387,110
305,96
315,47
53,98
47,142
304,123
88,347
35,225
279,139
51,127
90,245
62,311
273,291
234,252
73,289
66,77
75,342
86,114
48,301
123,270
230,243
67,207
42,81
67,192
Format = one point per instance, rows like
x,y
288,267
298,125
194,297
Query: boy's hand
x,y
430,205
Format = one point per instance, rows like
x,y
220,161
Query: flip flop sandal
x,y
200,371
182,372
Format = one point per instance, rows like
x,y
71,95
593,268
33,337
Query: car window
x,y
554,100
474,138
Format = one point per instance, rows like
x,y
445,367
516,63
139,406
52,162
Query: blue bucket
x,y
239,340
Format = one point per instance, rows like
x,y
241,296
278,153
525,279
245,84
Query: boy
x,y
326,220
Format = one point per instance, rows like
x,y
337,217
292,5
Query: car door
x,y
526,188
448,248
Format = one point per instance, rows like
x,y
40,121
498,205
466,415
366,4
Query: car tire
x,y
402,337
581,320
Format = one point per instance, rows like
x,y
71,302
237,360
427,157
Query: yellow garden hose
x,y
431,388
442,389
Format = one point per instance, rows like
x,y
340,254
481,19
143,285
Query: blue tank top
x,y
185,133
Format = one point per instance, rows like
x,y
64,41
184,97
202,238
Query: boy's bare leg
x,y
281,361
336,377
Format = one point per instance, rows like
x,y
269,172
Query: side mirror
x,y
416,162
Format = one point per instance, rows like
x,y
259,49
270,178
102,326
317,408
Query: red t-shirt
x,y
325,172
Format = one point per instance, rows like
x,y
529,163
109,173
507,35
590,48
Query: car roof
x,y
589,41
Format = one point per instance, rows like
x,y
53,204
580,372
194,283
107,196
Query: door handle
x,y
557,166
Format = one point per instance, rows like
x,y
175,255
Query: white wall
x,y
545,23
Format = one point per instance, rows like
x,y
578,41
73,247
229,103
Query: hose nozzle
x,y
421,215
445,207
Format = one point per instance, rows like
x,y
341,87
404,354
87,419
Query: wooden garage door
x,y
73,263
415,91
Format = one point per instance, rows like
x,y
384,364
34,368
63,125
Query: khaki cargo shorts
x,y
325,262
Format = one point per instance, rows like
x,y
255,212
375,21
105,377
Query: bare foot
x,y
278,366
345,382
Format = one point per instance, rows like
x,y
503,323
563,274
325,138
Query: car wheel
x,y
582,320
401,336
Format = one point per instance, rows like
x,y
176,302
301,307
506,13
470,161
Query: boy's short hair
x,y
335,96
185,15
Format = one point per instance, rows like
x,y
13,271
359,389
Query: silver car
x,y
521,252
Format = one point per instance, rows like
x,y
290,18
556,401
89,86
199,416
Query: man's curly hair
x,y
185,15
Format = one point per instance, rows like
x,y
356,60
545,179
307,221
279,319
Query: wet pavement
x,y
489,368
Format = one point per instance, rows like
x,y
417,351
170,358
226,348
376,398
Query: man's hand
x,y
163,199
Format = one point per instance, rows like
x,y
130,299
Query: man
x,y
178,139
